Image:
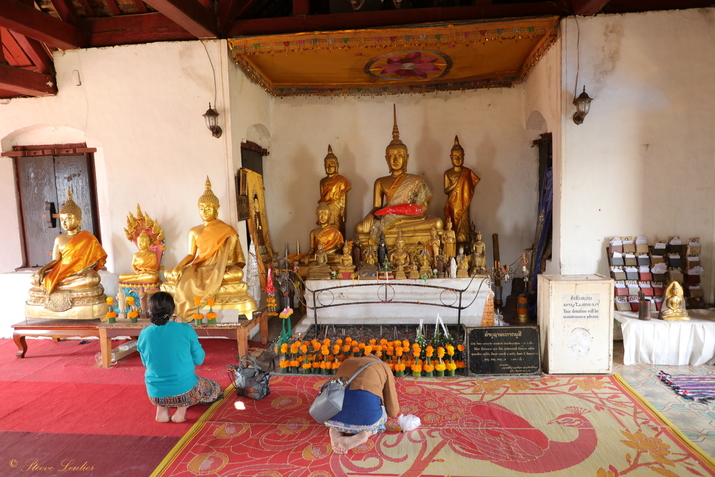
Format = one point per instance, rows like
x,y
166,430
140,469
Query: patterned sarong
x,y
206,391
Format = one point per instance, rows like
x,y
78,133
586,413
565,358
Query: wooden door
x,y
42,184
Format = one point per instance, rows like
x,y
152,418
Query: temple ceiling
x,y
309,46
416,59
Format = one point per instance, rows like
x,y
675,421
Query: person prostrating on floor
x,y
169,350
369,400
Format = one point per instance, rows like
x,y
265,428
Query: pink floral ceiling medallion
x,y
410,65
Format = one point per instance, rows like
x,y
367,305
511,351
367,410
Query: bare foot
x,y
334,442
351,442
162,414
179,415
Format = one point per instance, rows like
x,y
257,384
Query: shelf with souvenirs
x,y
641,270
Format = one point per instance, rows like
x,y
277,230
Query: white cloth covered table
x,y
662,342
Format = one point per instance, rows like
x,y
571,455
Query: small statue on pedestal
x,y
673,308
399,258
346,268
319,269
462,264
479,256
449,241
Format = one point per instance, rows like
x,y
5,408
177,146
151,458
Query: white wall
x,y
643,162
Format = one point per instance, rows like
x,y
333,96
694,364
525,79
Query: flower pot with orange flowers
x,y
211,315
439,369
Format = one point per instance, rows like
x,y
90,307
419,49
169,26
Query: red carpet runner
x,y
560,425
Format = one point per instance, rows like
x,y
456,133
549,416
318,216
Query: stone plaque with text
x,y
503,350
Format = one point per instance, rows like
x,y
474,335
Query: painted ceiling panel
x,y
429,57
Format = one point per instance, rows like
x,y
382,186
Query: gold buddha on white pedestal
x,y
213,268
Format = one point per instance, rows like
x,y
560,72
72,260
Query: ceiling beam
x,y
26,83
190,15
141,7
230,9
588,7
16,16
362,20
36,53
134,29
66,11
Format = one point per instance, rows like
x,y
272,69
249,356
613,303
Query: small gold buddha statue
x,y
319,268
399,258
334,191
462,264
673,307
145,264
434,243
449,241
459,184
213,267
479,255
346,267
399,200
69,287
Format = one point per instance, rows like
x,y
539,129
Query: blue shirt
x,y
169,353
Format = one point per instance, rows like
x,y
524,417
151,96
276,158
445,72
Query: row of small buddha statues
x,y
434,259
69,285
400,202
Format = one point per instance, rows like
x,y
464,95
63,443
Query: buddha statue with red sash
x,y
213,268
400,200
69,287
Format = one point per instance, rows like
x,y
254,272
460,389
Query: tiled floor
x,y
695,420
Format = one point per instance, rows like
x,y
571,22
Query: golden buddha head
x,y
208,203
144,241
457,153
70,213
331,162
323,213
396,152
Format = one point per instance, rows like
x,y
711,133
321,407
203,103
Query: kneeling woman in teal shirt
x,y
169,350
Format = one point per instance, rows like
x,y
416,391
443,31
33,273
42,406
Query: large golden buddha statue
x,y
399,200
334,191
459,184
69,287
213,267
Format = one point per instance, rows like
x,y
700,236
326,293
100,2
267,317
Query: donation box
x,y
575,317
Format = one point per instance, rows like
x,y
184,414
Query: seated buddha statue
x,y
145,264
346,267
69,287
399,258
319,268
213,268
399,200
673,307
326,235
